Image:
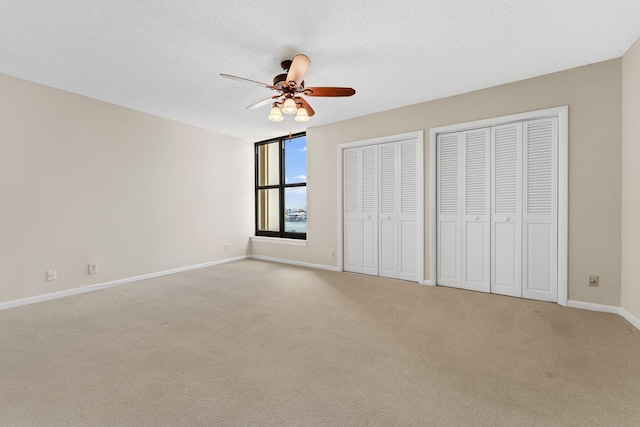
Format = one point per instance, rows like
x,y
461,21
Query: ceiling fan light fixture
x,y
289,87
302,115
289,106
275,115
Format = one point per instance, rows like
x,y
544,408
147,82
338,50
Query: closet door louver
x,y
369,213
408,222
351,171
476,236
389,183
540,226
506,212
449,238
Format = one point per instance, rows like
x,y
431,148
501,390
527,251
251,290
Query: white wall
x,y
631,181
85,181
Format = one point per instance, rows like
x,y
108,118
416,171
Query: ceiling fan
x,y
290,87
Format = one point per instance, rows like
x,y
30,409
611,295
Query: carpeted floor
x,y
257,343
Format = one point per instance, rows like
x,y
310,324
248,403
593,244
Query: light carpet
x,y
257,343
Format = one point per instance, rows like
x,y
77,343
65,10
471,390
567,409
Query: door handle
x,y
506,218
388,216
476,218
369,217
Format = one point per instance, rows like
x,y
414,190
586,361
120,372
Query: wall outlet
x,y
227,247
93,268
52,274
333,253
593,280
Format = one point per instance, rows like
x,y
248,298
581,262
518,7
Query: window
x,y
281,187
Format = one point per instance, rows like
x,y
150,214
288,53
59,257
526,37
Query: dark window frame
x,y
281,187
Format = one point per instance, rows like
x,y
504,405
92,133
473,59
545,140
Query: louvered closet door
x,y
408,223
540,225
388,231
351,172
380,209
506,212
449,238
476,226
369,211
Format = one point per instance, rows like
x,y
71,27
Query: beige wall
x,y
593,94
631,180
84,181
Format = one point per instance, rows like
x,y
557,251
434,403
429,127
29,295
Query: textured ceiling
x,y
165,57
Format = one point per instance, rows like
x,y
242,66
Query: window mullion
x,y
282,175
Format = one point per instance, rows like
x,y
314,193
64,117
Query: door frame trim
x,y
562,113
416,135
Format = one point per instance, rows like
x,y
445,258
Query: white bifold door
x,y
380,209
497,209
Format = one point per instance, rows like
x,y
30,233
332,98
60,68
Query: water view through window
x,y
295,198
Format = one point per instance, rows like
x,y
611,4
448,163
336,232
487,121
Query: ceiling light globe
x,y
275,115
302,115
289,106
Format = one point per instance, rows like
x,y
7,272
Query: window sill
x,y
279,241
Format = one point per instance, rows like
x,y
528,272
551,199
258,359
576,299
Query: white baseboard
x,y
630,318
427,282
298,263
606,309
89,288
594,307
44,297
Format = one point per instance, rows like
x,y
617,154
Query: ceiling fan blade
x,y
306,106
297,70
242,79
329,91
263,102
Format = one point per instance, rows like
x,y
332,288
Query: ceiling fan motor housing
x,y
280,78
280,82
